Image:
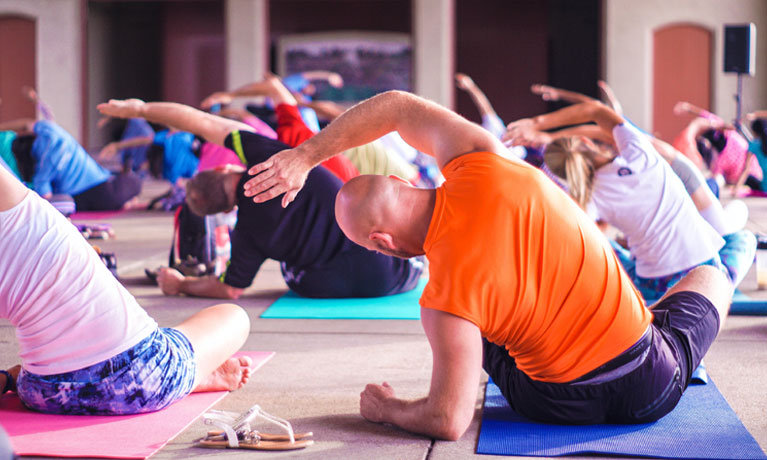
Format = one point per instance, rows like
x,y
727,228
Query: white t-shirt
x,y
68,309
639,194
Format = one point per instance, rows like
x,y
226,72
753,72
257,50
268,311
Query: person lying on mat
x,y
317,260
521,280
53,162
86,346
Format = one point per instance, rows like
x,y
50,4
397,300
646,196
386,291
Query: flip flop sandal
x,y
237,432
216,435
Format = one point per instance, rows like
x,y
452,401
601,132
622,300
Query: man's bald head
x,y
360,205
376,212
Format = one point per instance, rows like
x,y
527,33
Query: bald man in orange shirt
x,y
521,281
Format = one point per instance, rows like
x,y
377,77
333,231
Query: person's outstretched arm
x,y
490,119
42,108
423,124
182,117
610,97
479,98
550,93
327,110
756,114
447,411
334,79
265,88
173,282
20,125
586,112
109,150
683,107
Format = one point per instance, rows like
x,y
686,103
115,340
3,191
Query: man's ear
x,y
384,238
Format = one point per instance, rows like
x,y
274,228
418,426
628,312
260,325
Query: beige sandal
x,y
237,433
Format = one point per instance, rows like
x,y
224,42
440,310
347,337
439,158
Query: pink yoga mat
x,y
94,215
124,436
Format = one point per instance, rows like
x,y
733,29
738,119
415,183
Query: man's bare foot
x,y
230,376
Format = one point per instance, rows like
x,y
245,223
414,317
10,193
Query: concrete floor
x,y
320,366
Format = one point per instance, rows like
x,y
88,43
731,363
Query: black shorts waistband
x,y
622,359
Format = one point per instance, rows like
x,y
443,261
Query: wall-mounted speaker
x,y
740,48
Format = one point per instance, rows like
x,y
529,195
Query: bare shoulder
x,y
11,190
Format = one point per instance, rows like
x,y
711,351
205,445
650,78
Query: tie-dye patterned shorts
x,y
158,371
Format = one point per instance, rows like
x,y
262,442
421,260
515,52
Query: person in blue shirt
x,y
52,162
168,154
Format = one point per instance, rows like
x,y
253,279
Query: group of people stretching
x,y
522,281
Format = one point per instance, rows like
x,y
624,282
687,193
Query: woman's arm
x,y
585,112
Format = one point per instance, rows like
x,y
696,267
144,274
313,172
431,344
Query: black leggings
x,y
111,194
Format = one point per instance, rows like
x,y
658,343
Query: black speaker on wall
x,y
740,48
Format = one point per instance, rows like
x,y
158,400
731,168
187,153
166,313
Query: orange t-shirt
x,y
513,254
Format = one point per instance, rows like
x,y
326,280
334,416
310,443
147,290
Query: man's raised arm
x,y
182,117
424,125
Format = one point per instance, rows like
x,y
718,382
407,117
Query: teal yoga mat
x,y
398,306
702,426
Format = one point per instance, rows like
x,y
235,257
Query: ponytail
x,y
572,161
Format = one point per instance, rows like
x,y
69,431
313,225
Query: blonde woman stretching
x,y
636,191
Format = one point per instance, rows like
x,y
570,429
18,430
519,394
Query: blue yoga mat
x,y
398,306
702,426
745,306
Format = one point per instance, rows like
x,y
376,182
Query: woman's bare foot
x,y
230,376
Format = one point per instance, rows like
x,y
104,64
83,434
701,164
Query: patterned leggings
x,y
734,260
148,377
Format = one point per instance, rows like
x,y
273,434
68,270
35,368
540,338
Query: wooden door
x,y
17,66
681,72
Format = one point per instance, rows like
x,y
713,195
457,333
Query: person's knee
x,y
239,317
710,282
234,318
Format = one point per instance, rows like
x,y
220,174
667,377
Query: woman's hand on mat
x,y
285,172
169,280
373,401
128,108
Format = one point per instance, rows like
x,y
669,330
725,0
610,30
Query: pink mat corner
x,y
94,215
125,436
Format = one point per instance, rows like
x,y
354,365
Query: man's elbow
x,y
452,426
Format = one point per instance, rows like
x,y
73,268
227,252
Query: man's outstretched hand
x,y
285,172
128,108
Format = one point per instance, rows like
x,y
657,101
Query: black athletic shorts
x,y
639,386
